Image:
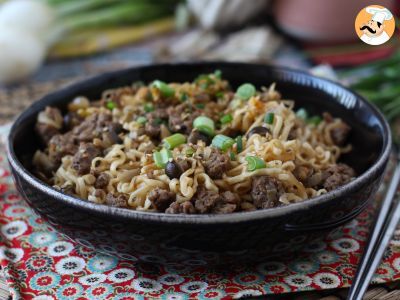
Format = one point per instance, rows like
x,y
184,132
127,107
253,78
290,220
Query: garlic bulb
x,y
217,14
21,54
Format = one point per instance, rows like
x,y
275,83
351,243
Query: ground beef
x,y
161,199
181,118
302,173
327,117
227,203
102,181
337,175
93,127
181,208
155,118
206,201
46,130
72,119
61,145
339,134
83,158
217,164
196,135
117,199
266,191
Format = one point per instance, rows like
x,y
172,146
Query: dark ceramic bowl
x,y
200,239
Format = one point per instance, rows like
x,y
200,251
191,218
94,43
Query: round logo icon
x,y
375,25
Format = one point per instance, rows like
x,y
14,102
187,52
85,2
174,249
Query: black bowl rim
x,y
206,219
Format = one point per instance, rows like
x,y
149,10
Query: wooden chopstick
x,y
380,236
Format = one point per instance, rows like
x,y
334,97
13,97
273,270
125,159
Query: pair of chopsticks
x,y
380,236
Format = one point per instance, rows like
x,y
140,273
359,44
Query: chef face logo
x,y
374,25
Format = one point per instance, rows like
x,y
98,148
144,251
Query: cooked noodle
x,y
287,146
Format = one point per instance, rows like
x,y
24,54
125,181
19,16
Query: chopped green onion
x,y
302,114
166,154
314,120
158,159
269,118
189,152
222,142
204,125
219,95
226,119
141,120
232,156
148,107
200,105
174,140
239,144
158,121
218,74
111,105
164,88
162,158
184,97
254,163
246,91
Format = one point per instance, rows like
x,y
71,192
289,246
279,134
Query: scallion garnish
x,y
239,144
111,105
162,157
204,125
219,95
225,119
218,74
183,97
141,120
269,118
232,156
315,120
189,152
164,88
148,107
302,114
200,105
174,140
254,163
222,142
246,91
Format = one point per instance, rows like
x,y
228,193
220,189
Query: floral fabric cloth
x,y
41,264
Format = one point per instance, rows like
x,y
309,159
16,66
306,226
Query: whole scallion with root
x,y
28,28
379,82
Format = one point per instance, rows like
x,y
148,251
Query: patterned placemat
x,y
40,263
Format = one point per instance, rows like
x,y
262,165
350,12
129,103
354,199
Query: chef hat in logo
x,y
379,14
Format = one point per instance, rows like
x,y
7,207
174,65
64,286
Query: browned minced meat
x,y
206,201
61,145
265,191
327,117
337,175
339,134
217,164
196,135
72,119
117,199
47,131
181,208
94,126
152,127
181,118
302,173
102,181
161,199
83,158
